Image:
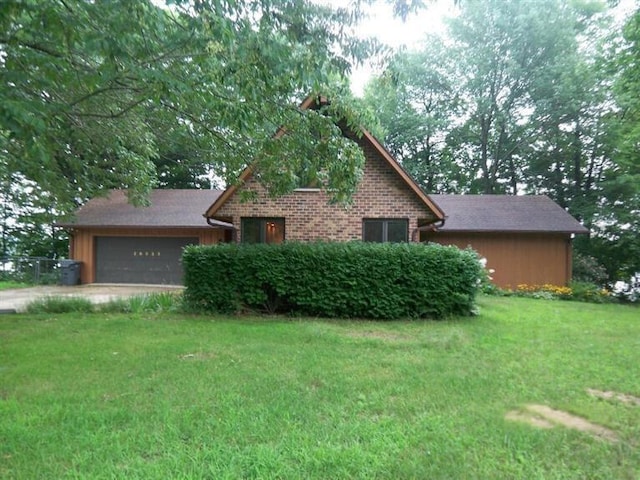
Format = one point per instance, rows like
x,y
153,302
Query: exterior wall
x,y
308,215
82,245
517,258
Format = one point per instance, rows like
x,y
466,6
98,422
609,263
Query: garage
x,y
117,242
141,259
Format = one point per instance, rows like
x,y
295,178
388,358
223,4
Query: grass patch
x,y
145,395
59,304
155,302
9,284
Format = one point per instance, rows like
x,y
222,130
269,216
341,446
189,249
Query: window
x,y
262,230
385,230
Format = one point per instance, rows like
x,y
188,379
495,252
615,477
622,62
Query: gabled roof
x,y
310,102
506,213
167,209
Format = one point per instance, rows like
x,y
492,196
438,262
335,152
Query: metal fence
x,y
33,270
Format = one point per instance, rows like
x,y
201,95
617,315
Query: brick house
x,y
388,206
526,239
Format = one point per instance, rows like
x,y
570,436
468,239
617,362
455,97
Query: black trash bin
x,y
70,272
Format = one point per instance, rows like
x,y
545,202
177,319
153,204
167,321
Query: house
x,y
117,242
525,239
388,206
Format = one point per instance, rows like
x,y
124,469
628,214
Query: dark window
x,y
385,230
262,230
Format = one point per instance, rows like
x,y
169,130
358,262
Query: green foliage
x,y
11,284
95,93
580,291
584,291
351,280
156,302
57,304
587,269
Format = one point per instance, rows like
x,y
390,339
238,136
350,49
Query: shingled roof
x,y
505,213
167,209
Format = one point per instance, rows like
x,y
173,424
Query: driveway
x,y
16,300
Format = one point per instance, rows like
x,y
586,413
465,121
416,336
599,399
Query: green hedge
x,y
347,280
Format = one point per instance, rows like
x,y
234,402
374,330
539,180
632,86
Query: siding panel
x,y
517,258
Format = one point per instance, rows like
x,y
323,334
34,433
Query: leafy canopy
x,y
94,93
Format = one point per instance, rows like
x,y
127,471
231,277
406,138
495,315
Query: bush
x,y
55,304
156,302
587,269
578,291
350,280
589,292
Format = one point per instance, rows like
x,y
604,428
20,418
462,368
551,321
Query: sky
x,y
396,33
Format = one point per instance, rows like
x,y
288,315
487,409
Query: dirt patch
x,y
529,418
609,395
541,416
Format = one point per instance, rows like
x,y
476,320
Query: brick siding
x,y
309,216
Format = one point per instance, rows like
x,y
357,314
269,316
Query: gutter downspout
x,y
234,234
432,226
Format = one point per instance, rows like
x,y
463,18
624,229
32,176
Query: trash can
x,y
70,272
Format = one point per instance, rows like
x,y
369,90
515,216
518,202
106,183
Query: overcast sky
x,y
396,33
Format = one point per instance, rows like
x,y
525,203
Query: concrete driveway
x,y
16,300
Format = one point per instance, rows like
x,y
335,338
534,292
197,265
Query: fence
x,y
33,270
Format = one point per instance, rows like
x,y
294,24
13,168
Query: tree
x,y
509,52
90,90
477,88
616,240
540,97
417,103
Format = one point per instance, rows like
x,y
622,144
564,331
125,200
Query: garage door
x,y
140,259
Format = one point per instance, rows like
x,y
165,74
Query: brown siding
x,y
309,216
83,244
517,258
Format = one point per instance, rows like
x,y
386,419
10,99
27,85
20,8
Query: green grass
x,y
155,302
9,284
146,395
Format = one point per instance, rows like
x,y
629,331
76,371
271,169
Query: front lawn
x,y
177,396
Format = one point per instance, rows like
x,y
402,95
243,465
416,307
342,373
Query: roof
x,y
310,102
167,209
505,213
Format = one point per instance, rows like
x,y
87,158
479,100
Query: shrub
x,y
579,291
354,279
155,302
55,304
587,269
589,292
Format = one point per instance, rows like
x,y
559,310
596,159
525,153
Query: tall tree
x,y
89,90
505,50
417,103
616,225
544,99
484,77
